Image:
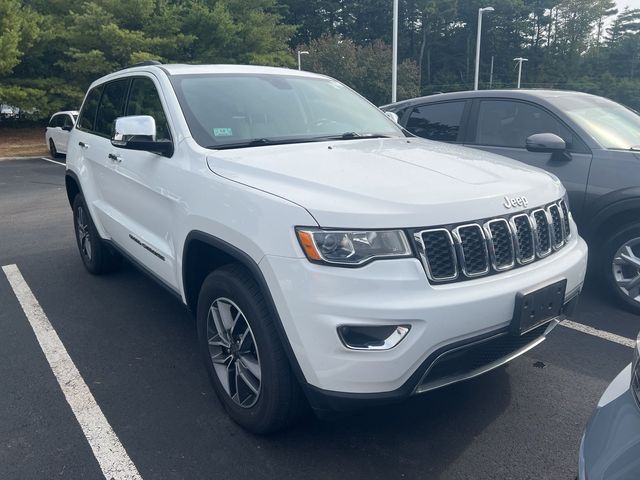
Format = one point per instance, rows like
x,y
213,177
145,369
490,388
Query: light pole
x,y
301,52
520,60
480,12
394,56
491,74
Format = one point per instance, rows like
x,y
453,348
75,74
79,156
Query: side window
x,y
111,106
505,123
54,121
89,109
437,121
67,121
144,100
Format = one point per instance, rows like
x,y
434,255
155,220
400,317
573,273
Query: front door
x,y
502,126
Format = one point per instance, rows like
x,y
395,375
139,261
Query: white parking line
x,y
53,161
109,452
612,337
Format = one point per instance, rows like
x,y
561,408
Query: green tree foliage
x,y
51,50
365,68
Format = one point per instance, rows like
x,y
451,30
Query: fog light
x,y
371,337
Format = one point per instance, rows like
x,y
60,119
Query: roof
x,y
522,94
68,112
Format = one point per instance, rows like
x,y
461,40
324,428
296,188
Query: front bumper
x,y
313,300
610,447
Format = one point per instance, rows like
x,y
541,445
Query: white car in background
x,y
57,133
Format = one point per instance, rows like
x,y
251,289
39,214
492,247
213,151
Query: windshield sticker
x,y
222,132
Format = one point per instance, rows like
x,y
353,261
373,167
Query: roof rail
x,y
144,64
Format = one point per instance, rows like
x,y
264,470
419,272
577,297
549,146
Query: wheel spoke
x,y
246,378
630,258
630,283
219,325
252,365
221,358
224,309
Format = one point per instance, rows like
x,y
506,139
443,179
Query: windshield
x,y
609,123
225,111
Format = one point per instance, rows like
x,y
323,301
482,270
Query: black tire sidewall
x,y
52,149
102,259
609,249
275,374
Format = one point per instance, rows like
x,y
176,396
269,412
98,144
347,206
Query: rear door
x,y
441,121
502,126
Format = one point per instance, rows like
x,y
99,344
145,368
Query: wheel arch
x,y
202,254
612,211
72,185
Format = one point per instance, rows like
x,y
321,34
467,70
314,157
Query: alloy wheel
x,y
82,229
234,352
626,269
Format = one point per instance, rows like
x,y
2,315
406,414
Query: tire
x,y
260,392
53,150
97,256
620,265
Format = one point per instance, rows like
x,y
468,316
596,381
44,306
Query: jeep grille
x,y
475,249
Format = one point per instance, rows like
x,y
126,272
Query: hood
x,y
387,183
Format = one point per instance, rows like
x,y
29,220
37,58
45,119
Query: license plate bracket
x,y
537,307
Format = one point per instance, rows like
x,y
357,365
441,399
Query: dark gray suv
x,y
591,143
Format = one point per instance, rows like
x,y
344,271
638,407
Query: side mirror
x,y
546,143
393,116
138,132
67,128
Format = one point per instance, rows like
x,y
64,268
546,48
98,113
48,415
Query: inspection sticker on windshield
x,y
222,132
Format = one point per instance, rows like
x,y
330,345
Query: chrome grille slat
x,y
500,244
557,226
475,249
472,249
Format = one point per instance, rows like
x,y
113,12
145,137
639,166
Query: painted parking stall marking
x,y
612,337
107,449
53,161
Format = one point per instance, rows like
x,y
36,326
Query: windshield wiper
x,y
259,142
353,135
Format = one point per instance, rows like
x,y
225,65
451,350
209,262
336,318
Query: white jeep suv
x,y
329,257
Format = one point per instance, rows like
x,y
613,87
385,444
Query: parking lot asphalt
x,y
135,347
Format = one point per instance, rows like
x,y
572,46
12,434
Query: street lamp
x,y
480,11
301,52
520,60
394,55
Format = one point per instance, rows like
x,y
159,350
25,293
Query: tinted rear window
x,y
111,106
437,121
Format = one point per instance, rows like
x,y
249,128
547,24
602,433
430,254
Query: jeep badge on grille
x,y
515,202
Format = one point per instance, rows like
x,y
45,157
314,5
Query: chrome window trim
x,y
540,253
458,242
512,222
491,245
423,256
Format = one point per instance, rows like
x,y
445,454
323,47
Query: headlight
x,y
352,248
635,371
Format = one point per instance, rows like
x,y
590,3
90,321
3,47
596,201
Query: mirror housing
x,y
393,116
546,143
67,128
138,132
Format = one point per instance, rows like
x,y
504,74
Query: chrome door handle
x,y
115,158
83,145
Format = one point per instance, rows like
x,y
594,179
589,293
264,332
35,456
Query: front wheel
x,y
243,355
621,265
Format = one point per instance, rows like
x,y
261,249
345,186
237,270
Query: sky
x,y
628,3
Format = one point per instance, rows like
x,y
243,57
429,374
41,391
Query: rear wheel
x,y
97,256
52,149
243,355
621,265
